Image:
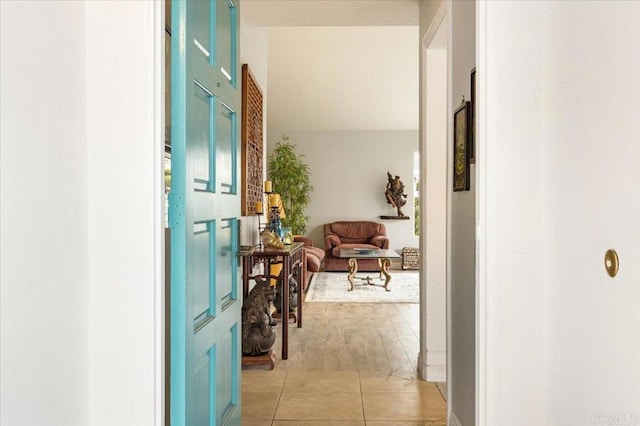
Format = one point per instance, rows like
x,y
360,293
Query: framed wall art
x,y
461,136
252,140
472,138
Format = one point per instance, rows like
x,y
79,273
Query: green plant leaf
x,y
291,178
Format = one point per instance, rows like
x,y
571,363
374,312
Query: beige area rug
x,y
334,286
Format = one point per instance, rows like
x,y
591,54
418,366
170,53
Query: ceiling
x,y
343,78
285,13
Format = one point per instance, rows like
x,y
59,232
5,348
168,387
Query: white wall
x,y
349,177
434,89
560,336
125,151
511,213
81,213
44,274
435,211
253,51
591,155
463,219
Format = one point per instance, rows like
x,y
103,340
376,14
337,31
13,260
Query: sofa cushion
x,y
357,231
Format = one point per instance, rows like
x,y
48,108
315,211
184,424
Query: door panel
x,y
204,207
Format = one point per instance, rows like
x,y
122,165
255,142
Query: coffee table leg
x,y
384,269
353,268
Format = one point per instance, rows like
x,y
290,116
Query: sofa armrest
x,y
381,241
308,242
331,241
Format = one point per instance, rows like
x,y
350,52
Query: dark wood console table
x,y
291,257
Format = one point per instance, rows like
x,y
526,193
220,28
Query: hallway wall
x,y
560,341
591,99
125,157
81,213
435,176
463,233
253,51
44,235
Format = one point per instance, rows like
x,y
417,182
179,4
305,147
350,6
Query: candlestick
x,y
259,207
274,200
268,186
259,230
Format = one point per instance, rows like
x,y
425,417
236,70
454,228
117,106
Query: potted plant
x,y
291,179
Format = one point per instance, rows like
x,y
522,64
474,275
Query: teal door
x,y
204,209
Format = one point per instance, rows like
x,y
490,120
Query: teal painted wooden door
x,y
204,210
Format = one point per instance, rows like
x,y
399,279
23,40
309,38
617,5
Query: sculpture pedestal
x,y
267,359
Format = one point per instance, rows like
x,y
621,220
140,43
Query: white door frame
x,y
433,365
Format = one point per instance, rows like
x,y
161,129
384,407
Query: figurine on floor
x,y
257,324
395,193
293,294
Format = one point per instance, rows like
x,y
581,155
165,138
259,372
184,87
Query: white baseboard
x,y
433,367
453,420
436,373
436,357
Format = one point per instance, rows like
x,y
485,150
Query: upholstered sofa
x,y
313,259
352,234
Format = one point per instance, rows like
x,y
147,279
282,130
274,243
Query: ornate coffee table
x,y
384,257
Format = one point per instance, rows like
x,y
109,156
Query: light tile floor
x,y
350,364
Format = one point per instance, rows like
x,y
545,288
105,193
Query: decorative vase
x,y
288,235
275,225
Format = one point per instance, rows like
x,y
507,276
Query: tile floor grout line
x,y
364,418
284,382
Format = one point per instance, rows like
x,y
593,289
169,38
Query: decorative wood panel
x,y
252,140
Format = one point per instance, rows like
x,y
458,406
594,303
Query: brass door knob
x,y
611,262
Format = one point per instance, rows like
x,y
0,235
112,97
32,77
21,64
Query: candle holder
x,y
260,205
259,230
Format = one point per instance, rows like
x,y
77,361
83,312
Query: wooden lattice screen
x,y
252,153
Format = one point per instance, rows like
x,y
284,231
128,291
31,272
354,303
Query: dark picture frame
x,y
472,138
461,137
